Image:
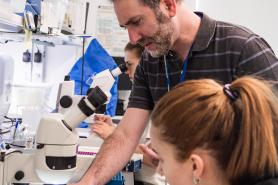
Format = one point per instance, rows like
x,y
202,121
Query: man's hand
x,y
150,158
103,126
104,166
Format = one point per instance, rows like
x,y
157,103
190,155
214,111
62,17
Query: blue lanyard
x,y
183,72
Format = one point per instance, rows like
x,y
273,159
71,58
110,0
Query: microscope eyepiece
x,y
123,67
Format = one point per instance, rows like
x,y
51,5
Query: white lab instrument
x,y
52,16
56,158
6,77
29,100
104,80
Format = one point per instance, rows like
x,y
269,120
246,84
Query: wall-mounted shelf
x,y
49,40
11,24
11,28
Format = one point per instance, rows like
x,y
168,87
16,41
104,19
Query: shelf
x,y
58,39
11,25
9,22
49,40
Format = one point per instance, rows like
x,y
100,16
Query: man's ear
x,y
197,166
169,6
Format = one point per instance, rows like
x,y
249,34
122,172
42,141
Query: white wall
x,y
92,16
59,61
191,4
259,16
56,63
103,24
22,70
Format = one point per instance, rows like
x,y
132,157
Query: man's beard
x,y
161,38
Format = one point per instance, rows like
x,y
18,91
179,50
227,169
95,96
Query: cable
x,y
20,146
83,48
36,46
4,132
7,121
82,68
11,119
15,151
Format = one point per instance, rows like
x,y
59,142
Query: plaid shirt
x,y
221,51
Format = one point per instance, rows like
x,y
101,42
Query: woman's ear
x,y
197,167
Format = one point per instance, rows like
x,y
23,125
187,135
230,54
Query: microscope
x,y
55,158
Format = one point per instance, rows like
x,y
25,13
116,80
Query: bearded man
x,y
179,45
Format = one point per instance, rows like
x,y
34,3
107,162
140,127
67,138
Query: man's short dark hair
x,y
150,3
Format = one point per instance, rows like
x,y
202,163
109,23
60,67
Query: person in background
x,y
132,57
180,45
227,135
103,125
96,59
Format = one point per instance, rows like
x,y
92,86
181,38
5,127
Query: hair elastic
x,y
233,95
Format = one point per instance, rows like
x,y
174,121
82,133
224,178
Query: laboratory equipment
x,y
104,80
52,16
6,77
54,158
57,159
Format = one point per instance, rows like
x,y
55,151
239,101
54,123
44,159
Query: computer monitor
x,y
6,77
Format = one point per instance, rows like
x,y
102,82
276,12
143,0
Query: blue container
x,y
117,180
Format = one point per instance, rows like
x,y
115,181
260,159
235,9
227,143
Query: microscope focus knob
x,y
19,175
66,101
